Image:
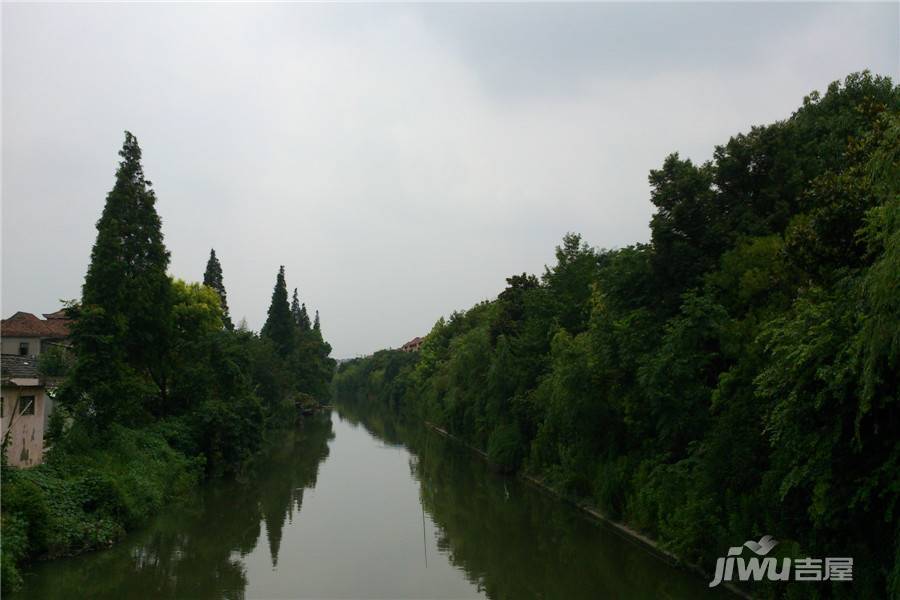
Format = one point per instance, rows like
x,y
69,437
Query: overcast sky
x,y
399,160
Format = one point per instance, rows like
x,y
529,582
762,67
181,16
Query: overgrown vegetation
x,y
159,389
737,376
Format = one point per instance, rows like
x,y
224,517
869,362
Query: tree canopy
x,y
737,376
212,278
279,326
159,390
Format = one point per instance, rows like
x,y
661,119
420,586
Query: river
x,y
363,507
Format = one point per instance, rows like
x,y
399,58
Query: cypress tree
x,y
279,325
299,314
122,331
213,278
317,330
295,308
304,318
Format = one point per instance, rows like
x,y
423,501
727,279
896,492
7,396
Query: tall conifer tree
x,y
317,329
213,278
295,308
304,318
279,325
122,332
298,312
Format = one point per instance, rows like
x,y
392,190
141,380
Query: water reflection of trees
x,y
197,550
513,541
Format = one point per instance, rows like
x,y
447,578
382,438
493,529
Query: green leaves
x,y
735,377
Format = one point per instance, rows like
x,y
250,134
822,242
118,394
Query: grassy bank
x,y
88,494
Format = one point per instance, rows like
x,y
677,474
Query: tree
x,y
122,330
569,282
739,373
295,308
685,245
299,314
511,303
304,318
279,325
213,278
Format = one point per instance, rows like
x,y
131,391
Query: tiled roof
x,y
13,366
23,324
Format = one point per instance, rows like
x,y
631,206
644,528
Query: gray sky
x,y
399,160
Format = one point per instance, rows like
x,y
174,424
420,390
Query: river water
x,y
363,507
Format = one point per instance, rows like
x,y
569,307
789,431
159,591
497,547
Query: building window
x,y
23,348
27,404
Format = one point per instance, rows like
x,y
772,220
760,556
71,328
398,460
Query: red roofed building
x,y
412,345
24,334
25,401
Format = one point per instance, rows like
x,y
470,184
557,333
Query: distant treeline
x,y
159,388
737,376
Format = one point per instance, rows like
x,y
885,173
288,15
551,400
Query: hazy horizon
x,y
400,160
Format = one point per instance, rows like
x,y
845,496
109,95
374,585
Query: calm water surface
x,y
353,507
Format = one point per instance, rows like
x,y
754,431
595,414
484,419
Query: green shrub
x,y
87,494
26,501
506,448
611,486
13,546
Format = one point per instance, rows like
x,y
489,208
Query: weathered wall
x,y
10,345
26,438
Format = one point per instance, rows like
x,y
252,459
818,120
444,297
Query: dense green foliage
x,y
280,326
306,353
157,390
122,331
737,376
55,362
197,550
89,494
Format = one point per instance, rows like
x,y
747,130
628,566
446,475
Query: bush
x,y
86,496
56,361
26,501
13,547
612,485
506,448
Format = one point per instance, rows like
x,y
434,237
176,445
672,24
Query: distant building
x,y
24,334
412,345
25,405
24,409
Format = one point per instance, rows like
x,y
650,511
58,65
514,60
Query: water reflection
x,y
389,510
197,549
513,541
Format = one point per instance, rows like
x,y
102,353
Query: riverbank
x,y
628,533
677,384
185,549
89,494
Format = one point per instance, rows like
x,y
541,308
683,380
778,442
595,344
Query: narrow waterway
x,y
364,507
